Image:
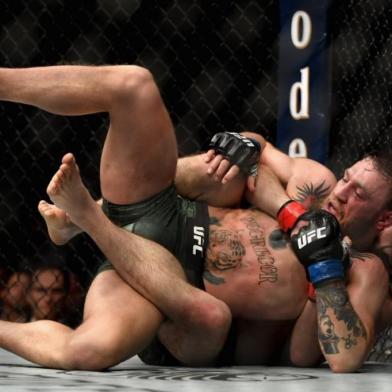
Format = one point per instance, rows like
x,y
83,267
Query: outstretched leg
x,y
202,320
118,323
138,160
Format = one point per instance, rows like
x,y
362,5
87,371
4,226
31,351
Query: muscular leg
x,y
180,337
201,320
118,322
140,138
139,141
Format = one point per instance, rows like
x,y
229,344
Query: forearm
x,y
193,182
342,335
269,194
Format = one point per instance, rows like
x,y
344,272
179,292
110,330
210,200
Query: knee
x,y
130,82
87,356
212,314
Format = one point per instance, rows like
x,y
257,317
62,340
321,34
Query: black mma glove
x,y
238,150
318,246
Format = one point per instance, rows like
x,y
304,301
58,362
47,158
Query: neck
x,y
365,242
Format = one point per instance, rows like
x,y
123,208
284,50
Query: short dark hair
x,y
382,160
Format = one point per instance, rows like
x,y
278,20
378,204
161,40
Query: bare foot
x,y
59,225
67,192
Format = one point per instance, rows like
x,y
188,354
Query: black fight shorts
x,y
178,224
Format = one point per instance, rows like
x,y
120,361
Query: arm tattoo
x,y
329,340
333,297
311,192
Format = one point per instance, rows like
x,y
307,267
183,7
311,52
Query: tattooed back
x,y
251,267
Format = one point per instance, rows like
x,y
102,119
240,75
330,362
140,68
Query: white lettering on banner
x,y
198,235
301,35
301,19
299,96
310,236
297,149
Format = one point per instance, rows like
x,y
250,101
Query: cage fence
x,y
216,65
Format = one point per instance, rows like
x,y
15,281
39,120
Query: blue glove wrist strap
x,y
326,270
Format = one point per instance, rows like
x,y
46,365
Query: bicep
x,y
281,164
305,180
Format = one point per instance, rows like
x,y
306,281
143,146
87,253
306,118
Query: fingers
x,y
214,164
232,172
209,155
220,168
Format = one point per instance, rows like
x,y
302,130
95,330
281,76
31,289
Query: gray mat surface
x,y
17,374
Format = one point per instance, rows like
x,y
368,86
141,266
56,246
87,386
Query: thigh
x,y
117,320
140,152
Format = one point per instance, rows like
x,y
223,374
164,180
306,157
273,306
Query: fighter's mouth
x,y
332,209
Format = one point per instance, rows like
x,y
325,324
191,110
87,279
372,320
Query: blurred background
x,y
216,64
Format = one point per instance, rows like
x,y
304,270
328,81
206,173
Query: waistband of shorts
x,y
194,241
123,214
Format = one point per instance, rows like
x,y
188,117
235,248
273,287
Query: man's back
x,y
251,267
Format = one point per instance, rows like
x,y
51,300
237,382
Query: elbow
x,y
345,365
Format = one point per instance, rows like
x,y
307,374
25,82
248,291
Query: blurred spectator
x,y
75,300
14,306
47,293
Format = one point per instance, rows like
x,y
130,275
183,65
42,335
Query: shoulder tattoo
x,y
312,192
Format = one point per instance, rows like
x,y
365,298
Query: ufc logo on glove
x,y
310,236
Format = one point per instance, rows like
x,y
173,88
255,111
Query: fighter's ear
x,y
385,220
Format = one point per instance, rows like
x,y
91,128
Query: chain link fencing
x,y
216,65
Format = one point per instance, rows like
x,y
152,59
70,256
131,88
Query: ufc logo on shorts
x,y
198,236
310,236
